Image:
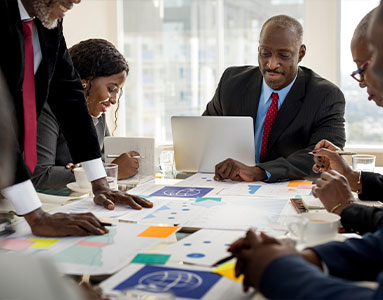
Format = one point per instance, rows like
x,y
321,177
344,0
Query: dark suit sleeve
x,y
291,277
354,259
47,174
361,218
372,186
67,101
328,124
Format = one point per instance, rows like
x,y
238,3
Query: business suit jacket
x,y
56,82
291,277
313,110
53,152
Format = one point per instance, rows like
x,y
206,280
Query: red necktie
x,y
269,120
29,99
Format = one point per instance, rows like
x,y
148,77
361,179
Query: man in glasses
x,y
293,108
338,178
327,271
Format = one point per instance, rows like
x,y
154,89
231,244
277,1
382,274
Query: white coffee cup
x,y
315,227
81,178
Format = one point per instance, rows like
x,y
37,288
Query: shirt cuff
x,y
94,169
23,197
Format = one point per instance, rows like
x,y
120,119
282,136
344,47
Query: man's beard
x,y
43,10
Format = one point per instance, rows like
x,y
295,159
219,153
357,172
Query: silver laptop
x,y
202,142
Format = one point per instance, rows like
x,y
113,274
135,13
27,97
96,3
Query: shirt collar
x,y
23,13
267,91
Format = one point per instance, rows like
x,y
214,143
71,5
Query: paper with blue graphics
x,y
181,192
203,247
186,282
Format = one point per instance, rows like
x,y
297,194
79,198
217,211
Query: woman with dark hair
x,y
103,71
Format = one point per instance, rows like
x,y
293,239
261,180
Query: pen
x,y
105,224
223,260
116,155
339,152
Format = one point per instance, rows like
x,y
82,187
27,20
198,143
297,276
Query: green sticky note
x,y
143,196
207,198
151,258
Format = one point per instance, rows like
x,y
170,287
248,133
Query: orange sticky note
x,y
296,183
158,231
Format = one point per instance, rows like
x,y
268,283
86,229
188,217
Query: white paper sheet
x,y
204,247
167,279
93,254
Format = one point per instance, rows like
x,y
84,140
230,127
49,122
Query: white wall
x,y
91,19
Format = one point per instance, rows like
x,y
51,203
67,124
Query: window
x,y
178,49
362,117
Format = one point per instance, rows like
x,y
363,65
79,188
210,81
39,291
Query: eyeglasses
x,y
358,75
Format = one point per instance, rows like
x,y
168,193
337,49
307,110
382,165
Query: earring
x,y
84,85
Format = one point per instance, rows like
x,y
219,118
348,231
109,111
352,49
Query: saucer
x,y
75,188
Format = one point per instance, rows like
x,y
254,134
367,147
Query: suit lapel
x,y
289,109
250,107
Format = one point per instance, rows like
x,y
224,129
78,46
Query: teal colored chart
x,y
86,255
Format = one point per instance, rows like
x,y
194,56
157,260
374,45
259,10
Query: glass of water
x,y
363,162
167,163
112,175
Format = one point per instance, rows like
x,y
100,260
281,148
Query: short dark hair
x,y
97,58
284,21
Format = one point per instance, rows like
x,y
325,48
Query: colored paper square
x,y
305,186
92,244
296,183
198,199
158,231
181,283
228,270
151,258
181,192
43,243
15,244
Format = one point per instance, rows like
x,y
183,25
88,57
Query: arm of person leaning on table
x,y
279,271
335,186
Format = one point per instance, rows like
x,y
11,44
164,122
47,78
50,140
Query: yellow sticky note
x,y
227,270
158,231
296,183
42,243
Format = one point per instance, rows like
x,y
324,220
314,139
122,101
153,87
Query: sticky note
x,y
151,258
92,244
15,244
207,198
228,270
158,231
296,183
43,243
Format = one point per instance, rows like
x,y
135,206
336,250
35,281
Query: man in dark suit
x,y
38,68
338,178
293,108
279,271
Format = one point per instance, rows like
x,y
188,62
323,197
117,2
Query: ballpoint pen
x,y
338,152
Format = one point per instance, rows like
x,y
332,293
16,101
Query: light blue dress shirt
x,y
263,106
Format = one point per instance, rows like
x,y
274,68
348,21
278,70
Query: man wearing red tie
x,y
293,108
38,68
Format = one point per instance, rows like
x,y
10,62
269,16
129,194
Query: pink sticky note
x,y
16,245
92,244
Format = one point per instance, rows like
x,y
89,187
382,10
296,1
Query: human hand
x,y
237,171
127,165
333,189
104,196
72,166
60,224
256,253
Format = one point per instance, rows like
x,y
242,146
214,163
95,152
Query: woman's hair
x,y
98,58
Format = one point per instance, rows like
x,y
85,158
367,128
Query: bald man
x,y
293,108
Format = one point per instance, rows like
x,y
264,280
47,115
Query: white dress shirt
x,y
23,195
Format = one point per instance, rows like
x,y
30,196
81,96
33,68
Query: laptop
x,y
202,142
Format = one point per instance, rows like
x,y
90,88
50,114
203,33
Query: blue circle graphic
x,y
195,255
187,244
207,242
